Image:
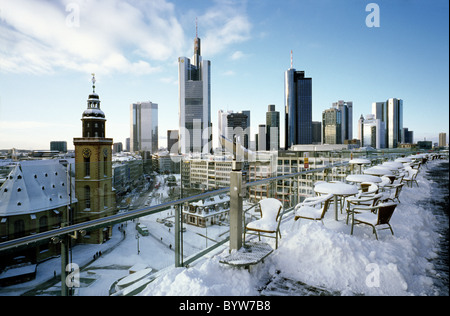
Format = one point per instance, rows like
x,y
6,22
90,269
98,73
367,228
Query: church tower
x,y
93,170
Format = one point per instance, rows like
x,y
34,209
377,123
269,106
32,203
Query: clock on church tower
x,y
93,169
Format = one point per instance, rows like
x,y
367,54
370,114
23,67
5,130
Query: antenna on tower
x,y
196,27
93,82
292,60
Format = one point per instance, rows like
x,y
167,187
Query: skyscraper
x,y
144,127
273,128
442,139
298,108
391,114
371,132
195,102
346,108
332,126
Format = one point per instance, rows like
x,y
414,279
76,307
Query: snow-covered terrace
x,y
325,256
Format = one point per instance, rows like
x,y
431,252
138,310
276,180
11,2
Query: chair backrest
x,y
398,189
326,203
369,187
385,212
270,208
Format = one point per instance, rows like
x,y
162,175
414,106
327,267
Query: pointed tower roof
x,y
93,110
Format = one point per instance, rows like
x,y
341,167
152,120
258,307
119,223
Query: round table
x,y
393,164
337,189
363,178
378,171
360,162
403,160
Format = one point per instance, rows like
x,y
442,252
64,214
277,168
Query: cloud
x,y
116,36
111,36
226,23
238,55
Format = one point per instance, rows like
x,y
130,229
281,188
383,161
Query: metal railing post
x,y
178,236
236,207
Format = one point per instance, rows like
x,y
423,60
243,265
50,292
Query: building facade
x,y
442,139
346,108
144,127
332,126
391,114
298,108
371,132
194,91
93,171
273,128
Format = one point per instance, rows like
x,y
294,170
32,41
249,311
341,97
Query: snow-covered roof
x,y
35,186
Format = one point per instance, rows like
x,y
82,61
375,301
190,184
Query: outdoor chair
x,y
271,211
378,217
385,183
369,188
313,208
411,178
394,193
362,203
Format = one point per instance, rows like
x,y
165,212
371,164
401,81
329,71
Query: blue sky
x,y
48,50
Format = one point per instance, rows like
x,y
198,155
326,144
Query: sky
x,y
49,49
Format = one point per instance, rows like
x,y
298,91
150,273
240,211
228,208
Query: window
x,y
19,229
87,196
105,196
43,223
87,167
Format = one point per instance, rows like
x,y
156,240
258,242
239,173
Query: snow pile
x,y
327,256
209,278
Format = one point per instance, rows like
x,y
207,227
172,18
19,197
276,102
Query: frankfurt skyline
x,y
48,51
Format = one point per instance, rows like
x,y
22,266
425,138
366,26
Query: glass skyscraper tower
x,y
195,103
298,108
144,127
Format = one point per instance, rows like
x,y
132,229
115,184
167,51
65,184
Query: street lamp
x,y
137,238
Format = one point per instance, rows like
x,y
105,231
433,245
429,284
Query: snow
x,y
362,178
338,188
322,255
360,161
327,256
378,171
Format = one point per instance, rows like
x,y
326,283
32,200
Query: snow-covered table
x,y
363,178
249,254
378,171
337,189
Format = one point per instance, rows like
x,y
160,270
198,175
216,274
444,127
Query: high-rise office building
x,y
195,102
346,108
237,125
332,126
272,128
442,139
231,124
371,132
316,132
261,144
391,114
408,135
172,141
298,108
144,127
